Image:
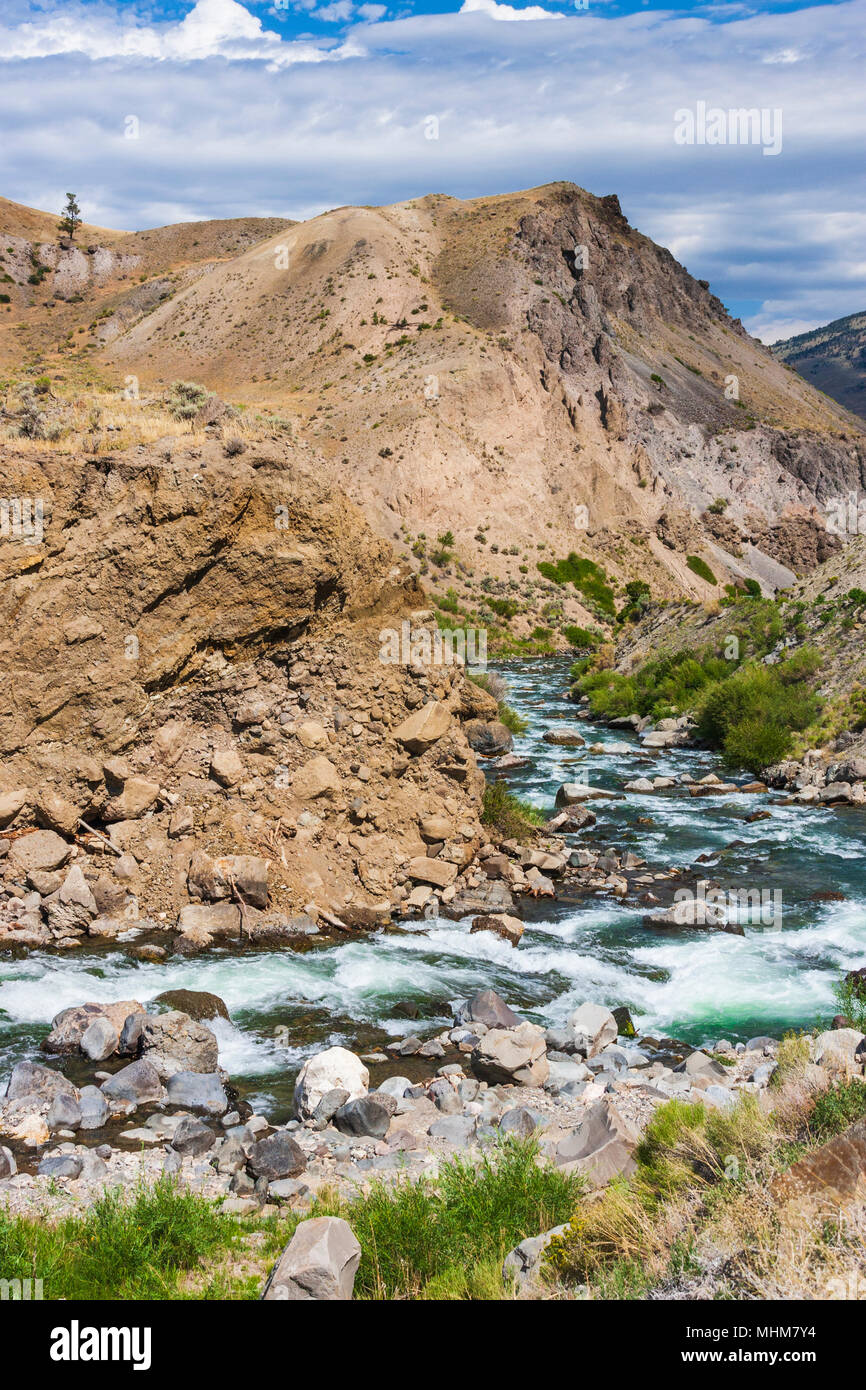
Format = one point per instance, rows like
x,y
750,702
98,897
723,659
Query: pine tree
x,y
70,218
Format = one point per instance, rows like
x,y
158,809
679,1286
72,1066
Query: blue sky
x,y
294,106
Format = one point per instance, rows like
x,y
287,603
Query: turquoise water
x,y
697,986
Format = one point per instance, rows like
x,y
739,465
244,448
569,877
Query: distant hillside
x,y
833,359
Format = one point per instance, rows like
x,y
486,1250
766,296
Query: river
x,y
695,985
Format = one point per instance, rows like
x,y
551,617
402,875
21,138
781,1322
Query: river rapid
x,y
698,986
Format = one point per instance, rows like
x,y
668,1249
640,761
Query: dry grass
x,y
103,422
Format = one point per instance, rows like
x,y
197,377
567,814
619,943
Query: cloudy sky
x,y
290,107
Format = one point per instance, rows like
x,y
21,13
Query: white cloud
x,y
212,28
235,118
496,11
338,12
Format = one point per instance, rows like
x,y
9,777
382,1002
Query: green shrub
x,y
751,716
701,568
838,1108
580,637
185,399
587,577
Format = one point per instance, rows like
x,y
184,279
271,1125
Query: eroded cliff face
x,y
192,656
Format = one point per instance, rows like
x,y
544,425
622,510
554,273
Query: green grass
x,y
512,818
443,1237
138,1248
446,1237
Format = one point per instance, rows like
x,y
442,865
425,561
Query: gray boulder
x,y
138,1082
276,1157
194,1090
523,1264
61,1166
318,1264
368,1115
64,1112
32,1079
489,1008
94,1108
192,1137
100,1039
174,1042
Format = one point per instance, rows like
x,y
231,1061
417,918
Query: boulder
x,y
93,1107
197,1003
318,1264
192,1137
100,1039
593,1027
174,1042
489,738
203,923
31,1079
437,872
501,924
523,1264
69,1026
8,1166
424,727
457,1130
226,767
489,1008
602,1147
315,779
512,1056
64,1112
518,1121
564,738
698,1064
368,1115
838,1049
277,1156
138,1082
435,829
195,1090
212,879
833,1175
40,850
138,796
61,1166
333,1069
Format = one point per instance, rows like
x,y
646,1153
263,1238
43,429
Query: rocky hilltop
x,y
832,359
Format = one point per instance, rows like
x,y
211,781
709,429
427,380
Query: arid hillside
x,y
526,375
